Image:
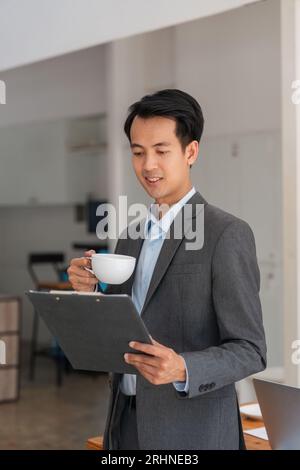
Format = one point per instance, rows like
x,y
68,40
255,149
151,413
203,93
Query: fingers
x,y
87,280
89,253
82,287
79,277
79,283
158,351
81,262
79,272
141,359
148,371
83,284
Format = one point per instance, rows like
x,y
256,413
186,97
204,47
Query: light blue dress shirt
x,y
155,233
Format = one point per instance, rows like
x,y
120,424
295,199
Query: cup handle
x,y
88,269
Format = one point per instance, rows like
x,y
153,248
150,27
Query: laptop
x,y
280,408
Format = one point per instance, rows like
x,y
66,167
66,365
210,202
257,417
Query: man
x,y
200,306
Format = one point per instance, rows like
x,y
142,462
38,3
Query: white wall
x,y
135,66
33,30
71,85
231,64
290,44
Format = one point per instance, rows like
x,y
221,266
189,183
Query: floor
x,y
48,417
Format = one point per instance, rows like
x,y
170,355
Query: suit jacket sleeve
x,y
235,295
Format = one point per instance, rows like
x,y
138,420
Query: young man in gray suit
x,y
201,306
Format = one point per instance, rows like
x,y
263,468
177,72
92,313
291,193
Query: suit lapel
x,y
170,246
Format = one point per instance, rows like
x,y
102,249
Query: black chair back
x,y
54,259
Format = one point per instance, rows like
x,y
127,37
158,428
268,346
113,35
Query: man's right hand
x,y
79,277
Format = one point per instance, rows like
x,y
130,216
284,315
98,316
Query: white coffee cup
x,y
112,268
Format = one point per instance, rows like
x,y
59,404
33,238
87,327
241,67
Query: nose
x,y
150,163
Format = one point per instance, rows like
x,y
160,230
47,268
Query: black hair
x,y
174,104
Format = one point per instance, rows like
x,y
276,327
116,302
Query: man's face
x,y
159,161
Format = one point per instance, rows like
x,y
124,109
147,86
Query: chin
x,y
152,192
155,193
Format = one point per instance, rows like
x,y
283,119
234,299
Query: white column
x,y
290,66
125,84
133,68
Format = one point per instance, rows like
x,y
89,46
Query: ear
x,y
192,150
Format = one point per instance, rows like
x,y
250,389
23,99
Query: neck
x,y
172,199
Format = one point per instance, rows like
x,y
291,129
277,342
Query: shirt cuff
x,y
183,386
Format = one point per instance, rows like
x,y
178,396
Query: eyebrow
x,y
159,144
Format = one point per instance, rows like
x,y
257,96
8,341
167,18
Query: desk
x,y
59,285
95,443
252,443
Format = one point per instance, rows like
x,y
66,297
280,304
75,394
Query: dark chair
x,y
56,262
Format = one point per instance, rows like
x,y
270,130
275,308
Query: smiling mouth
x,y
152,180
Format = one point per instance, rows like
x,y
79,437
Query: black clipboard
x,y
93,331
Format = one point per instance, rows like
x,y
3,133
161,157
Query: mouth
x,y
153,181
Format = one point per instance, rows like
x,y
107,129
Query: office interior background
x,y
70,70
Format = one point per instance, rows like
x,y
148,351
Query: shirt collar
x,y
160,227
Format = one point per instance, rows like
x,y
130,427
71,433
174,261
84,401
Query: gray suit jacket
x,y
205,305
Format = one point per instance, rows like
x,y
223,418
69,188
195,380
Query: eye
x,y
137,154
162,152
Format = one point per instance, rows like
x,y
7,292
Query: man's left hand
x,y
163,366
